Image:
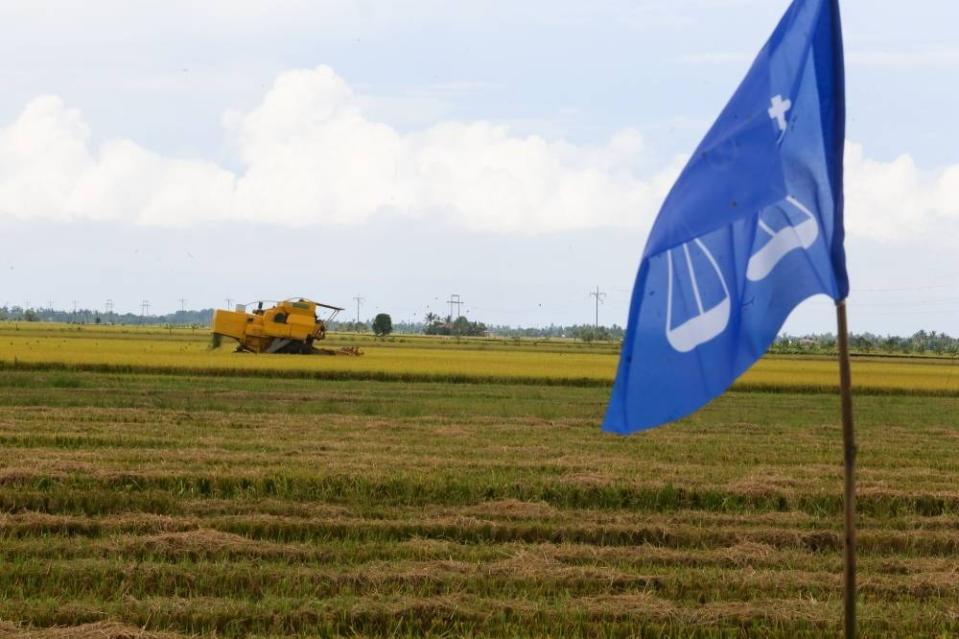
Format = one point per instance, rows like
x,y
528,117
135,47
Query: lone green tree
x,y
462,326
382,325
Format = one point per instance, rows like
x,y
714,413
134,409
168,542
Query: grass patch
x,y
169,502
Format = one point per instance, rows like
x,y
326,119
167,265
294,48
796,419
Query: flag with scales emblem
x,y
752,227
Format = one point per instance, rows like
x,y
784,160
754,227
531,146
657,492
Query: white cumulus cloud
x,y
897,200
309,154
48,170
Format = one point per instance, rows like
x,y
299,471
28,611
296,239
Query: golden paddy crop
x,y
559,361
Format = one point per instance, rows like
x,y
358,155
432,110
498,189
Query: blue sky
x,y
156,113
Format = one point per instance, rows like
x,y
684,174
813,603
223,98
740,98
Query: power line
x,y
905,288
457,301
927,311
359,300
933,301
600,296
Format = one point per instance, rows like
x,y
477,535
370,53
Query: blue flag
x,y
752,227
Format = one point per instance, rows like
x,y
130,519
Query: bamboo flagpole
x,y
849,474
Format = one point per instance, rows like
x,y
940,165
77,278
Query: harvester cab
x,y
289,326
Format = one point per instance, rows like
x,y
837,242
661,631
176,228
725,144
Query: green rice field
x,y
233,496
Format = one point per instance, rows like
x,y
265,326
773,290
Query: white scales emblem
x,y
710,323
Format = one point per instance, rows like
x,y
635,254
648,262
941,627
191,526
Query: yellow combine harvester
x,y
290,326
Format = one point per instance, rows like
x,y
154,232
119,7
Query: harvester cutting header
x,y
290,326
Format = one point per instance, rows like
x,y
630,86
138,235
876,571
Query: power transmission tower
x,y
455,300
359,300
183,305
109,307
76,304
144,308
600,296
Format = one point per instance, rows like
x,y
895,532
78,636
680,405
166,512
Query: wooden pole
x,y
849,475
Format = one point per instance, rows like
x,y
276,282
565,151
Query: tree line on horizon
x,y
202,317
921,341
